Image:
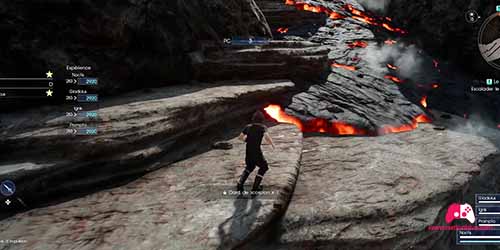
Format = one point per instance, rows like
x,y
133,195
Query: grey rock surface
x,y
129,121
380,192
276,60
356,90
179,207
138,133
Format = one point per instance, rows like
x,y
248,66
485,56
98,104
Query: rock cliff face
x,y
125,42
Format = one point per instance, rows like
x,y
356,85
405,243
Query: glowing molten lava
x,y
313,8
390,42
393,78
423,101
346,67
339,128
334,15
282,30
279,115
422,118
390,66
359,44
364,17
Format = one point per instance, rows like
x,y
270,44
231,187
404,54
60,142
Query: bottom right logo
x,y
460,211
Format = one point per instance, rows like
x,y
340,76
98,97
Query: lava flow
x,y
393,78
339,128
390,66
422,118
279,115
390,42
423,101
282,30
364,17
359,44
316,9
346,67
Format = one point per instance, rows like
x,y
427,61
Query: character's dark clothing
x,y
254,157
254,133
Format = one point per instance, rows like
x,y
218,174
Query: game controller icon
x,y
460,211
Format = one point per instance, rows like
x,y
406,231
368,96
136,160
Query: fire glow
x,y
363,17
423,101
390,42
359,44
339,128
356,14
316,9
282,30
393,78
390,66
342,66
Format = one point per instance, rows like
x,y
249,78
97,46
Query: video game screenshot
x,y
250,125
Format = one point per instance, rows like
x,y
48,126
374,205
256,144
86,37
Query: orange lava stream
x,y
282,30
356,14
277,113
390,42
339,128
423,101
359,44
393,78
390,66
363,17
316,9
346,67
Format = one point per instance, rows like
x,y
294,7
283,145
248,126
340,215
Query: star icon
x,y
49,74
7,202
49,92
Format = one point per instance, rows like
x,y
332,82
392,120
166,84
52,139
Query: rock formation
x,y
181,206
125,42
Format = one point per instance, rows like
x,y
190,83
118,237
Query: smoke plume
x,y
406,58
375,5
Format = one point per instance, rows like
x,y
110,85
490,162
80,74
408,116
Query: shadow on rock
x,y
240,223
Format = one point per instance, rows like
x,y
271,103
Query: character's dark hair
x,y
258,117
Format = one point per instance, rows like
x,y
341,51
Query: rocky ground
x,y
382,192
179,207
138,132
